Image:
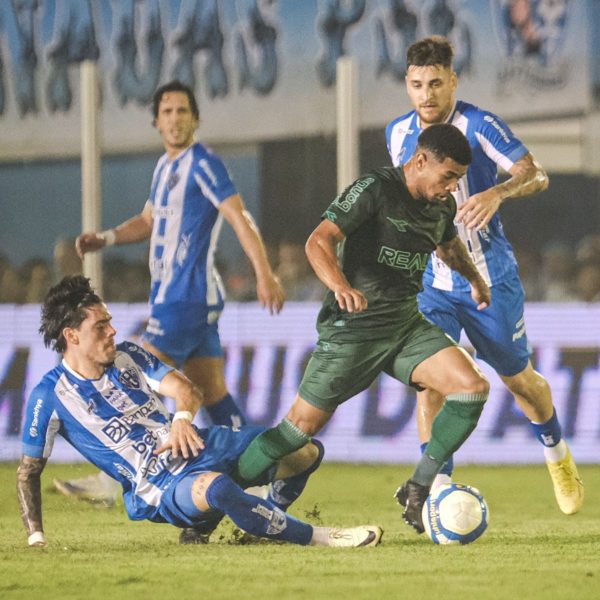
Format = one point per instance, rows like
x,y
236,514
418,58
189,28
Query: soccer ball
x,y
455,514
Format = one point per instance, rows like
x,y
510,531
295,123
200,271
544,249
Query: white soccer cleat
x,y
98,489
355,537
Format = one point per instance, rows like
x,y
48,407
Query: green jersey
x,y
389,238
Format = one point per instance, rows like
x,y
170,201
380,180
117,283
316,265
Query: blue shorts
x,y
222,449
497,332
184,331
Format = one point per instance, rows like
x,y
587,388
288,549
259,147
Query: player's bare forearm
x,y
455,255
321,253
29,492
268,289
188,397
527,177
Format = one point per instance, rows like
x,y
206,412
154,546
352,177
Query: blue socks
x,y
226,412
283,492
448,465
548,433
254,515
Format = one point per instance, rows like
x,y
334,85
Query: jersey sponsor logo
x,y
154,327
129,378
497,127
135,349
115,430
345,202
399,224
141,413
91,408
401,259
400,156
163,212
33,429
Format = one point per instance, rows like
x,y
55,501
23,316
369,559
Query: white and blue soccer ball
x,y
455,514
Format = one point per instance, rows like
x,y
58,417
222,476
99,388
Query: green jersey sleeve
x,y
355,205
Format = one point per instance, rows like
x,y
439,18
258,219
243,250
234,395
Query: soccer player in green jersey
x,y
385,226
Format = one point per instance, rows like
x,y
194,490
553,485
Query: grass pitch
x,y
530,549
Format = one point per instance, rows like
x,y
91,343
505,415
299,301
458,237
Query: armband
x,y
183,414
109,236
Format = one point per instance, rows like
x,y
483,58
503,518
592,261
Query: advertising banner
x,y
265,359
265,69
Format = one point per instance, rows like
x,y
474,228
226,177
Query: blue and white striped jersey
x,y
115,422
493,144
185,196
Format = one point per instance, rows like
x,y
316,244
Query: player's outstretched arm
x,y
321,252
527,177
136,229
268,289
455,255
183,437
29,493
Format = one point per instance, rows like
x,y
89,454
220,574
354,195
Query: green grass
x,y
530,549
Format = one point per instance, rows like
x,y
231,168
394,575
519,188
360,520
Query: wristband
x,y
109,236
35,538
183,414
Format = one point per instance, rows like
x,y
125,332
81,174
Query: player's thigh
x,y
498,332
450,371
439,308
339,369
420,342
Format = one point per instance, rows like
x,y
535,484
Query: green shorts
x,y
340,368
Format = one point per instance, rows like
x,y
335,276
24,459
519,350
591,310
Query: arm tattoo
x,y
455,255
29,492
527,177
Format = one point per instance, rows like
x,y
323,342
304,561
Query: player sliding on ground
x,y
102,399
386,224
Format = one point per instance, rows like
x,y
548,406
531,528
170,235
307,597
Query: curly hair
x,y
64,306
446,141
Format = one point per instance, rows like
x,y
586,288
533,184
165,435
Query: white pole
x,y
347,122
91,203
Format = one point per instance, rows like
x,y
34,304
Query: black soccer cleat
x,y
412,496
189,535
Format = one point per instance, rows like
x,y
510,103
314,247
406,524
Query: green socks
x,y
451,428
268,448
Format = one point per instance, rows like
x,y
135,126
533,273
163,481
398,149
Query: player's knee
x,y
476,383
200,488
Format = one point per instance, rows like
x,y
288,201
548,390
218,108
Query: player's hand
x,y
270,294
481,294
479,209
88,242
183,439
37,540
350,299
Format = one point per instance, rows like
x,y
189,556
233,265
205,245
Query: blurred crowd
x,y
556,273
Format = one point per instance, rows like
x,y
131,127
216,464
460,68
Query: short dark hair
x,y
434,50
175,86
446,141
64,306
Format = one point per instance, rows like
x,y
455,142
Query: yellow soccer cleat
x,y
568,487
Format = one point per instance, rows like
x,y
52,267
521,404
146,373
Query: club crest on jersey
x,y
173,181
129,378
